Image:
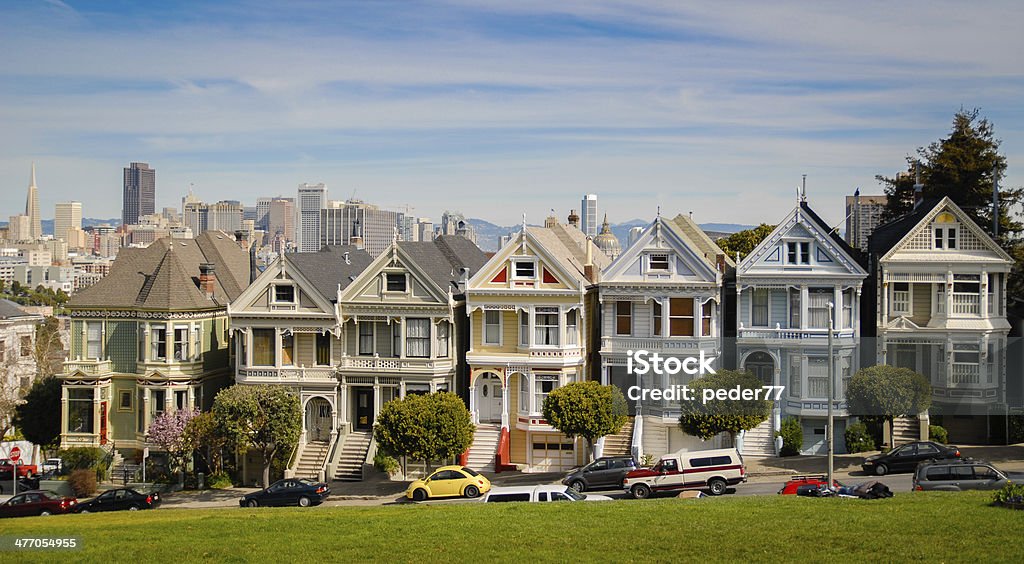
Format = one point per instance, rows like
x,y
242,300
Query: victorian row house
x,y
799,283
939,293
17,349
349,332
530,309
150,338
662,295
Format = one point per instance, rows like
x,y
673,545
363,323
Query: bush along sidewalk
x,y
1010,496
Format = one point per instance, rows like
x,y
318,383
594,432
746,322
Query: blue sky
x,y
497,108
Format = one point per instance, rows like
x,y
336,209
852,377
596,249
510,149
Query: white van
x,y
549,492
713,470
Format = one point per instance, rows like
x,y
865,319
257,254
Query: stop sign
x,y
15,454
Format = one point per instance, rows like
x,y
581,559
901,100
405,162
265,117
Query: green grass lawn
x,y
931,527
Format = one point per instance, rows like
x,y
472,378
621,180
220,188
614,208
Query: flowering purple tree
x,y
167,432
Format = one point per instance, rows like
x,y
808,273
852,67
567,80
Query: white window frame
x,y
538,396
515,269
555,329
98,341
617,315
767,306
896,301
153,330
187,343
405,288
360,335
802,249
572,330
945,233
500,317
667,261
273,293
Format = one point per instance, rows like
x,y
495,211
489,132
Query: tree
x,y
586,409
705,419
48,351
203,436
264,418
743,242
887,392
425,426
35,417
167,431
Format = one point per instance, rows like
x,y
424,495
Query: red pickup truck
x,y
24,470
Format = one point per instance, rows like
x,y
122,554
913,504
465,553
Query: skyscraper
x,y
588,215
32,208
139,193
863,215
376,227
66,216
263,213
311,199
281,218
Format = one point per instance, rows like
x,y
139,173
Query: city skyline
x,y
474,105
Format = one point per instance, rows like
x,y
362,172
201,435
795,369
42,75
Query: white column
x,y
837,313
504,402
803,306
949,293
472,403
376,401
343,400
96,424
604,374
983,303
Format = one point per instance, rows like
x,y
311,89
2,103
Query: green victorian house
x,y
150,337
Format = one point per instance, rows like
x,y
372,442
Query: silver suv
x,y
959,475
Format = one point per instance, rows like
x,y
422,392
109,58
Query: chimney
x,y
463,279
574,220
588,269
357,235
242,238
207,279
918,187
720,262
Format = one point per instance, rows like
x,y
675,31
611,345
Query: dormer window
x,y
396,282
658,262
798,252
284,294
525,269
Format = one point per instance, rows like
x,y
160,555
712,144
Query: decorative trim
x,y
135,314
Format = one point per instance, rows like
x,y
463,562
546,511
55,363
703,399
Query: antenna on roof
x,y
524,221
803,189
659,212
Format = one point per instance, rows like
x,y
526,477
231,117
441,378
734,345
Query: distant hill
x,y
488,234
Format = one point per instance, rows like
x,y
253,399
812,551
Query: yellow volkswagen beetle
x,y
449,481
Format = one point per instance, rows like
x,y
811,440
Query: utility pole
x,y
829,433
995,202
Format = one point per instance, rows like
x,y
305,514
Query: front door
x,y
488,395
364,408
318,420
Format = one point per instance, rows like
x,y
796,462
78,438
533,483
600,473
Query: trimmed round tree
x,y
425,426
886,392
35,417
707,419
264,418
586,409
167,432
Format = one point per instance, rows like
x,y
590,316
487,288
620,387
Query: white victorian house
x,y
940,290
662,295
785,288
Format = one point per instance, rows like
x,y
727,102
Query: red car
x,y
37,502
24,470
794,484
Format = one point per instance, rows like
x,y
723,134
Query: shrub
x,y
79,458
792,437
938,434
858,439
219,481
1010,494
1017,429
83,482
385,463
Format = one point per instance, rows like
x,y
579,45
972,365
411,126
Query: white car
x,y
52,465
549,492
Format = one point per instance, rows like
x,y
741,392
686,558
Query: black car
x,y
121,499
905,458
606,472
290,491
24,484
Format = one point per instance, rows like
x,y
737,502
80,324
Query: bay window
x,y
680,317
818,300
157,403
181,340
442,339
571,329
966,293
288,349
542,386
94,340
524,328
705,318
624,318
417,338
492,327
545,323
158,338
656,313
366,338
323,349
263,347
795,375
396,339
848,297
794,308
759,309
80,410
901,297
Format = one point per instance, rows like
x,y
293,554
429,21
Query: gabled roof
x,y
887,239
158,277
442,259
833,233
697,251
11,310
568,245
698,239
327,268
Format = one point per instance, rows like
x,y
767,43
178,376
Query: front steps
x,y
759,440
311,459
353,454
484,450
905,430
621,443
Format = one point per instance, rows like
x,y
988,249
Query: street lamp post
x,y
829,433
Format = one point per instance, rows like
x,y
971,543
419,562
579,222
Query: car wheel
x,y
881,469
252,503
419,495
303,501
579,486
133,508
472,491
717,486
45,512
641,491
85,511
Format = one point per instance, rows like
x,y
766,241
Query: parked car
x,y
53,466
959,475
121,499
24,470
290,491
449,481
905,458
798,484
37,502
540,493
713,470
605,472
24,484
